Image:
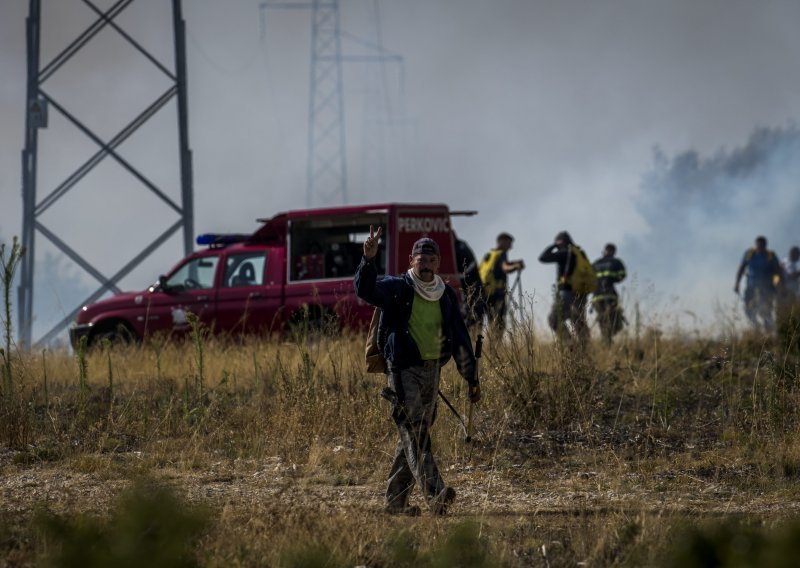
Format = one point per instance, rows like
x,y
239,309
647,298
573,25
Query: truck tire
x,y
115,332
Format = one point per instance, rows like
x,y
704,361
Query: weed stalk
x,y
107,347
8,265
83,367
198,337
157,343
44,380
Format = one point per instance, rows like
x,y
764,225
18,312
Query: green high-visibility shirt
x,y
425,327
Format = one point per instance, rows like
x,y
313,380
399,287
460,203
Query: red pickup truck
x,y
297,267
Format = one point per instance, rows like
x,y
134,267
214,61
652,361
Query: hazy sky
x,y
543,115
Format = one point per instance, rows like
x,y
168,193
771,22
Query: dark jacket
x,y
609,271
565,264
467,266
394,295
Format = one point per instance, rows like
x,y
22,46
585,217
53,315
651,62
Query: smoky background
x,y
667,128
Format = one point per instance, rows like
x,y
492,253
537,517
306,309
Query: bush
x,y
150,526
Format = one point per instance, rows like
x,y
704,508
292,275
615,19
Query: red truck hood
x,y
121,301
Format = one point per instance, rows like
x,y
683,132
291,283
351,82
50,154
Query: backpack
x,y
378,332
373,351
486,270
751,251
777,273
583,279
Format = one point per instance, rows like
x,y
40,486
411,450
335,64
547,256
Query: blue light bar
x,y
214,239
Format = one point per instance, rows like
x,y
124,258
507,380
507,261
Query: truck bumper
x,y
76,332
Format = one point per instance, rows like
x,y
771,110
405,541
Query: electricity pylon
x,y
327,164
38,103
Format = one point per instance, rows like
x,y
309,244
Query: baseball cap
x,y
425,245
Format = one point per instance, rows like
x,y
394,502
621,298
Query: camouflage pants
x,y
414,414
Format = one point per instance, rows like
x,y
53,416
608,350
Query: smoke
x,y
60,289
704,212
544,123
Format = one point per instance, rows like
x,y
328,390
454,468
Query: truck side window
x,y
244,269
198,273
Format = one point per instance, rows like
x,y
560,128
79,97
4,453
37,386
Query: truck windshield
x,y
331,247
198,273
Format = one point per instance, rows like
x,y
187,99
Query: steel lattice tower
x,y
327,157
38,101
327,171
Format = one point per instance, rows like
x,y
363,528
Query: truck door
x,y
189,289
247,301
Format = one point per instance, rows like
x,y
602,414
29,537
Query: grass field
x,y
654,452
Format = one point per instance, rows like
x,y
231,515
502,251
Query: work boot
x,y
407,510
442,501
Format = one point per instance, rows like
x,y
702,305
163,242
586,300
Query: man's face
x,y
794,255
761,246
608,252
561,244
425,266
504,244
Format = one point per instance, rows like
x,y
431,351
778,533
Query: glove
x,y
474,392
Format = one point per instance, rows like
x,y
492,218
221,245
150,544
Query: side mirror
x,y
162,283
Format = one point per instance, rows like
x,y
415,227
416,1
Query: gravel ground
x,y
482,490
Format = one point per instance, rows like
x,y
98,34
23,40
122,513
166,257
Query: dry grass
x,y
599,458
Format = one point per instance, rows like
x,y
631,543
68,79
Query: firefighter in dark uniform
x,y
471,285
605,301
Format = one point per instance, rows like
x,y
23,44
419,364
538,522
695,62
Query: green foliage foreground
x,y
148,526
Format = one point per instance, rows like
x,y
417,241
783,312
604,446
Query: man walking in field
x,y
471,285
609,270
788,302
423,329
494,270
791,272
763,268
571,291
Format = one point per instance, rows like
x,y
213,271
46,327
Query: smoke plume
x,y
703,212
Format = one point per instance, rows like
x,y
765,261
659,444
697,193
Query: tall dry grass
x,y
608,441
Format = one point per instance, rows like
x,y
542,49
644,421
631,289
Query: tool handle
x,y
478,346
468,437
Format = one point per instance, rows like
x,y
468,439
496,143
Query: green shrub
x,y
149,526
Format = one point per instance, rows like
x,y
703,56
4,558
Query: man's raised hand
x,y
371,244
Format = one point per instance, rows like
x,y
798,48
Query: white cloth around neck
x,y
431,291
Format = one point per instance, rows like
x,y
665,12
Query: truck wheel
x,y
118,333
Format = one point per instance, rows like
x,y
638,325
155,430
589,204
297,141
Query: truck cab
x,y
296,268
